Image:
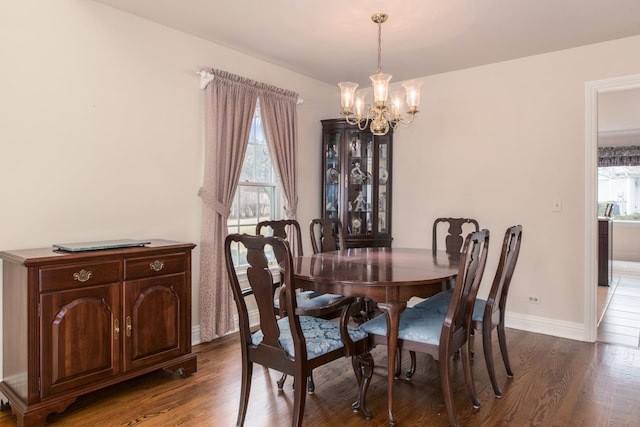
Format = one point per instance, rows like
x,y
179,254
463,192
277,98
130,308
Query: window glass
x,y
257,197
620,185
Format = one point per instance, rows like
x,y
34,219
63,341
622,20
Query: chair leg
x,y
468,374
245,388
281,381
412,369
488,358
363,368
299,401
502,340
311,386
447,392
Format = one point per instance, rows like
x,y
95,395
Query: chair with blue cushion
x,y
441,335
289,230
297,343
488,314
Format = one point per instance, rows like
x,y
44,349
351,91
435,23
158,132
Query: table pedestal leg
x,y
392,311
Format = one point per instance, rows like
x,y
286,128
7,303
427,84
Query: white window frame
x,y
274,185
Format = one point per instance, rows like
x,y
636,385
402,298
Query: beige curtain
x,y
278,110
230,102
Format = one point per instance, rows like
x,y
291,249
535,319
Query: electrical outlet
x,y
534,299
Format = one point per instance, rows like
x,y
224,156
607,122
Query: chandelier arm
x,y
351,120
362,124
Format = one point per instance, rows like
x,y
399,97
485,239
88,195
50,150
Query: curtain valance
x,y
619,156
230,79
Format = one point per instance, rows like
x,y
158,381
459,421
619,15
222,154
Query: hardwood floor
x,y
558,382
620,305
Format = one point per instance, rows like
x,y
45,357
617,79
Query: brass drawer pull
x,y
82,275
156,265
128,326
116,329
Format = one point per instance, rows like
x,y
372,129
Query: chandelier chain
x,y
379,47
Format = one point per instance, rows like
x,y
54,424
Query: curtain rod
x,y
207,77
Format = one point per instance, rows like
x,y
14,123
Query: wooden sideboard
x,y
77,322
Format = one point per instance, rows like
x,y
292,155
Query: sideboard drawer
x,y
79,275
139,268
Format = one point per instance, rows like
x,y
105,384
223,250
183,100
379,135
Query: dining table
x,y
388,276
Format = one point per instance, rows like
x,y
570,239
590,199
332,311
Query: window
x,y
620,185
258,196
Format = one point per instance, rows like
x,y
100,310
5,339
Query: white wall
x,y
626,240
499,143
101,126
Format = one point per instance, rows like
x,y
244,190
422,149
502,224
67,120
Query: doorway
x,y
593,89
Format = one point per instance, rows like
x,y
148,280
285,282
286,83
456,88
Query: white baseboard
x,y
539,325
195,335
547,326
254,318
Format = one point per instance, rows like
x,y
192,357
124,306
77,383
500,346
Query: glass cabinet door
x,y
383,180
331,191
360,188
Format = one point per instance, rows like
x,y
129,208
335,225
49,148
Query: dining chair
x,y
441,335
326,235
488,314
453,235
289,230
455,232
296,343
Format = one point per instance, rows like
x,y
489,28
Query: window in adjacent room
x,y
620,185
258,196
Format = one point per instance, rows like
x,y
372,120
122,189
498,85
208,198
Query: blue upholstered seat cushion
x,y
439,303
415,325
322,336
311,299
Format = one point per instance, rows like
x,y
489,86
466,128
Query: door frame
x,y
592,89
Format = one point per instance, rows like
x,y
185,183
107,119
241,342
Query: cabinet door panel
x,y
79,341
155,315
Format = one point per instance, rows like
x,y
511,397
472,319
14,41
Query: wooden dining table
x,y
388,276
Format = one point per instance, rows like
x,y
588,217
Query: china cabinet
x,y
356,182
77,322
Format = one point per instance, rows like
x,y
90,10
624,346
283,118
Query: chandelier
x,y
381,115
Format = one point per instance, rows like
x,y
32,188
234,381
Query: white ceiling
x,y
335,40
